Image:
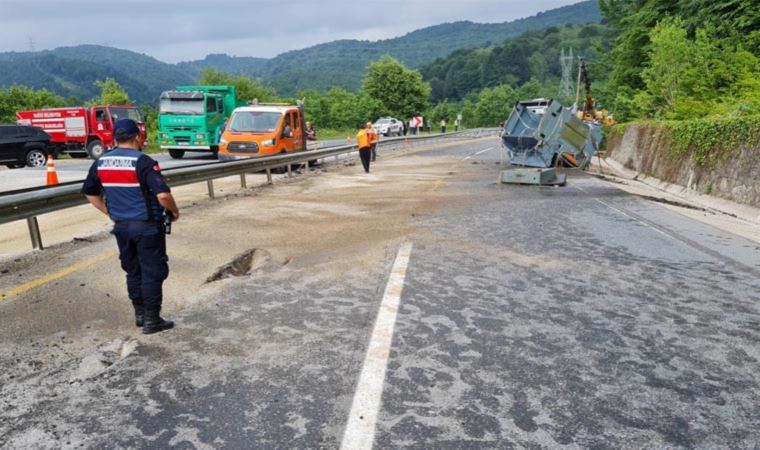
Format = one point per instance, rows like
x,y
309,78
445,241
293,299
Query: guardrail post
x,y
290,171
34,232
269,176
210,184
242,181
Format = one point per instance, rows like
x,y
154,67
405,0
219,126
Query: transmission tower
x,y
566,86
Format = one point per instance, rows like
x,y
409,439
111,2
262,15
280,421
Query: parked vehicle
x,y
191,118
388,126
23,146
81,131
262,130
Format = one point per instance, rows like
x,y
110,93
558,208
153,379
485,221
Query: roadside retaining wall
x,y
648,149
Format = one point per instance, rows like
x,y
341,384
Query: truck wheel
x,y
36,158
176,153
95,149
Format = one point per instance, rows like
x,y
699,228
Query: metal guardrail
x,y
29,204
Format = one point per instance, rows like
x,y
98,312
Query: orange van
x,y
263,130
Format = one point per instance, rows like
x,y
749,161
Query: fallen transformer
x,y
541,133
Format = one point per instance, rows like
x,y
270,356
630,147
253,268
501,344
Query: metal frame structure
x,y
30,203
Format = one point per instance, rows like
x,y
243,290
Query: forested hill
x,y
342,63
534,55
71,71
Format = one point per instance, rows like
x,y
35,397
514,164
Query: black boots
x,y
154,323
139,314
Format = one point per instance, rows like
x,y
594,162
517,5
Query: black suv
x,y
22,145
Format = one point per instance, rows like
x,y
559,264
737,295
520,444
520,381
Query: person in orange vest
x,y
373,138
365,146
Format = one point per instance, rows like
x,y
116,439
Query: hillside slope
x,y
342,63
72,71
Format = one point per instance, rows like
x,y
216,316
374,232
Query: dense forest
x,y
681,60
534,55
653,59
343,63
71,71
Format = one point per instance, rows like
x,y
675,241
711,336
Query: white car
x,y
388,126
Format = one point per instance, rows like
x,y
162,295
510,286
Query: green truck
x,y
191,117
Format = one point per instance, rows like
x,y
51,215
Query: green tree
x,y
20,98
316,108
443,111
248,88
150,116
111,93
494,105
400,91
731,22
670,58
690,78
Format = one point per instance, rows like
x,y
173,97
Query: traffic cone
x,y
52,176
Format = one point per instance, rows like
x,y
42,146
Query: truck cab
x,y
191,118
263,130
81,131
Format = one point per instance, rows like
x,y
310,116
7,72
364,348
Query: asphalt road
x,y
528,317
70,169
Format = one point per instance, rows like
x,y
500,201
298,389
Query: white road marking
x,y
360,429
634,218
476,154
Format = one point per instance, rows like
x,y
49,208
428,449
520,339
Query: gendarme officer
x,y
136,199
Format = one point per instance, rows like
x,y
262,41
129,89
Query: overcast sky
x,y
174,30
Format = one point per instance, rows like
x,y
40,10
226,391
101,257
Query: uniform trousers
x,y
142,251
365,154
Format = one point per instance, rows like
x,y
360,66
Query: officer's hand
x,y
174,216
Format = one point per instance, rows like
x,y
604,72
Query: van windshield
x,y
254,121
183,106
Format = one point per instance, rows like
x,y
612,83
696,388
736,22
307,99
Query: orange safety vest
x,y
362,139
372,135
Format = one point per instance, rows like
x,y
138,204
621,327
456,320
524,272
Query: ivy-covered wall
x,y
720,157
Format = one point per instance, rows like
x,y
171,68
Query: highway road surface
x,y
421,306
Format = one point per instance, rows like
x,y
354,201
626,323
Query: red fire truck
x,y
80,131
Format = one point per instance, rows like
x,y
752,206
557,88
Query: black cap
x,y
125,129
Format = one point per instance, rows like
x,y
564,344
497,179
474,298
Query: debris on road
x,y
104,357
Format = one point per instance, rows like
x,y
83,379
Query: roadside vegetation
x,y
691,67
657,60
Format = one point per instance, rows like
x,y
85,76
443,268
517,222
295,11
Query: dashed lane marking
x,y
360,429
412,151
476,154
649,225
55,275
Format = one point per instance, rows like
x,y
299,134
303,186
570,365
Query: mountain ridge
x,y
71,71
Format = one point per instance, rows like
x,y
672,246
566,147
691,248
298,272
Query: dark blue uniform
x,y
130,180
